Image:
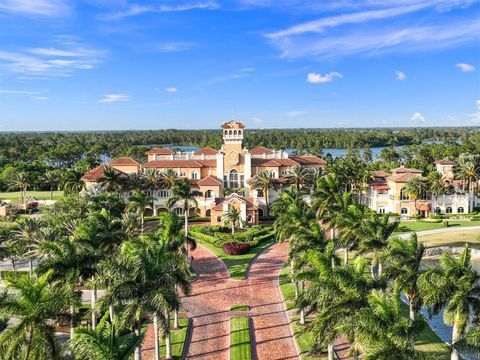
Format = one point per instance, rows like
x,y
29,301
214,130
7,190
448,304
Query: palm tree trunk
x,y
233,229
372,269
295,283
330,351
302,311
332,234
345,256
30,265
72,321
29,344
412,310
175,314
380,269
168,345
455,338
51,193
111,310
186,231
14,265
143,223
138,349
267,200
94,307
155,332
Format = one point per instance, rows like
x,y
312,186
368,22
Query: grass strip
x,y
178,337
240,347
238,307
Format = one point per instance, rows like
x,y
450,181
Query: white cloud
x,y
466,67
40,98
475,117
173,46
400,75
171,89
111,98
136,9
18,92
417,118
315,78
45,8
50,62
372,30
233,76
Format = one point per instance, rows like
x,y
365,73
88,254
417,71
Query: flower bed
x,y
236,248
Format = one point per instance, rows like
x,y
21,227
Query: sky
x,y
192,64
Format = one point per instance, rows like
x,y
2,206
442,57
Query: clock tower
x,y
234,156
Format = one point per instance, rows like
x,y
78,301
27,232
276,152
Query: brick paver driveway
x,y
213,294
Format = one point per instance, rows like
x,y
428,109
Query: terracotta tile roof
x,y
380,186
404,177
228,124
260,150
208,163
308,160
174,164
209,181
379,174
124,161
220,201
205,151
423,207
445,162
259,162
402,170
160,151
95,173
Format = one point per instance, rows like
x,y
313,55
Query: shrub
x,y
13,274
445,224
475,218
236,248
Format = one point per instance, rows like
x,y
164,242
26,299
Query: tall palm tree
x,y
27,232
139,202
315,175
298,176
381,332
111,179
349,218
20,181
264,182
51,178
182,192
415,189
327,191
145,277
232,217
468,170
33,302
153,179
134,181
404,268
106,342
436,184
169,177
455,287
72,182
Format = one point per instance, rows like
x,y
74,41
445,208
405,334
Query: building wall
x,y
129,169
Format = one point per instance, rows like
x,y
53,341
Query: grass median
x,y
240,347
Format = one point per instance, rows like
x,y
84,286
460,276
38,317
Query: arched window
x,y
272,174
179,211
194,175
239,132
219,219
209,194
260,212
381,210
235,132
230,132
460,210
233,179
225,132
448,210
260,193
208,212
403,195
438,210
249,218
404,211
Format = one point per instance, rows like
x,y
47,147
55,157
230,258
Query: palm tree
x,y
349,218
111,179
72,182
455,287
51,178
264,182
468,170
169,177
153,180
315,175
298,176
327,191
404,268
33,302
27,232
436,184
134,181
21,182
470,342
415,189
232,217
145,278
139,202
381,332
375,232
106,342
182,192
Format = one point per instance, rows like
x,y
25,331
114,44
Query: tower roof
x,y
233,124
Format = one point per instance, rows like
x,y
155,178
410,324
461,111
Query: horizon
x,y
111,65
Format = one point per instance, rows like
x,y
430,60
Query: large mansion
x,y
212,171
225,178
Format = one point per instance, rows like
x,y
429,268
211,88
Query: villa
x,y
212,172
386,193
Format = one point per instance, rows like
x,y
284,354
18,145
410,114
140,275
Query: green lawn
x,y
410,226
286,287
457,238
178,338
238,307
16,197
240,348
237,264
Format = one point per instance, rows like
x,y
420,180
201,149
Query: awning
x,y
423,207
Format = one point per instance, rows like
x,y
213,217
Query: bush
x,y
198,219
445,224
13,274
268,218
236,248
475,218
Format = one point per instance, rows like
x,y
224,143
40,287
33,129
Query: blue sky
x,y
120,64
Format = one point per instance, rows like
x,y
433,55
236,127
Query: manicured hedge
x,y
236,248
